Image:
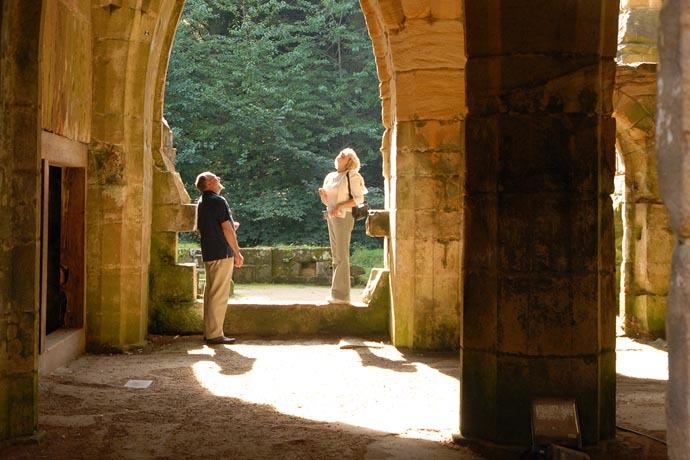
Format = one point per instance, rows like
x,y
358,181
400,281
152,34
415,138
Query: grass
x,y
188,245
367,258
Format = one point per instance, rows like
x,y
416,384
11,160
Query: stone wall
x,y
308,265
289,265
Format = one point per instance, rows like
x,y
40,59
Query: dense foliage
x,y
265,93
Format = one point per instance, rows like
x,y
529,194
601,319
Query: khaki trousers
x,y
339,232
216,295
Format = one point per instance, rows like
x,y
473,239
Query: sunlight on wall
x,y
373,387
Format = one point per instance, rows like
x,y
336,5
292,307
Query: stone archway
x,y
484,270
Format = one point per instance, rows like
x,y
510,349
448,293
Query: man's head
x,y
208,182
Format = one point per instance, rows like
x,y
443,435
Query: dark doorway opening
x,y
57,274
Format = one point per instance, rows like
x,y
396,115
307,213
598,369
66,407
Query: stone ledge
x,y
280,318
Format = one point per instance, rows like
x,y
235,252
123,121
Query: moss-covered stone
x,y
174,283
178,318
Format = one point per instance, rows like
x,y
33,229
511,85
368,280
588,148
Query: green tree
x,y
265,93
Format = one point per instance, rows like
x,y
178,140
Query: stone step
x,y
304,318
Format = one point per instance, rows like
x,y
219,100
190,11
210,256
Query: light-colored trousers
x,y
339,232
216,295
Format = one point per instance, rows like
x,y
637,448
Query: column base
x,y
489,448
30,439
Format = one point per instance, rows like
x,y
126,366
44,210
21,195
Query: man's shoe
x,y
222,340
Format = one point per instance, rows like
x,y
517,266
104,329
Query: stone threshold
x,y
292,303
62,346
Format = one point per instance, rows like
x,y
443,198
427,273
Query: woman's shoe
x,y
337,301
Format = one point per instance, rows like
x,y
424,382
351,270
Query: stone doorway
x,y
62,252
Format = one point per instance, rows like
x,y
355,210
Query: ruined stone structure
x,y
499,164
644,239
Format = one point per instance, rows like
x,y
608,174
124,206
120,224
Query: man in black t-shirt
x,y
219,251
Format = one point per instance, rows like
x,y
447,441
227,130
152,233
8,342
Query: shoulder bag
x,y
359,211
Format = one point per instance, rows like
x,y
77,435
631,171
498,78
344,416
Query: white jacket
x,y
335,185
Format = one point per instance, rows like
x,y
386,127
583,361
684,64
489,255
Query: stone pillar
x,y
20,200
131,44
673,134
420,55
539,306
638,26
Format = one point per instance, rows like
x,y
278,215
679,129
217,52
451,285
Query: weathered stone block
x,y
174,218
585,305
378,223
430,94
377,278
540,28
173,283
637,34
168,188
443,165
403,257
176,318
650,315
481,231
478,394
513,396
423,44
257,256
533,83
481,155
18,405
430,135
480,308
548,153
403,223
531,236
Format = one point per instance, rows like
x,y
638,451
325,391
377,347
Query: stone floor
x,y
295,399
285,293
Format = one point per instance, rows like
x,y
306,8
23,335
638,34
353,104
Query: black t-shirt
x,y
212,211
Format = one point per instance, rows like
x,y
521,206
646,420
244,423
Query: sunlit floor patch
x,y
641,361
371,387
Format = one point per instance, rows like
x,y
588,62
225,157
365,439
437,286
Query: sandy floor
x,y
285,293
306,399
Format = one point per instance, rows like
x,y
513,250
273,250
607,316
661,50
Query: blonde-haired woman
x,y
339,198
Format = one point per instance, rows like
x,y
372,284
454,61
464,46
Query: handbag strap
x,y
349,190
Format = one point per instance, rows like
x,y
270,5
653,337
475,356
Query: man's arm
x,y
231,238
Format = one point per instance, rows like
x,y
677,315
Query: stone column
x,y
130,41
20,205
673,134
420,55
539,306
